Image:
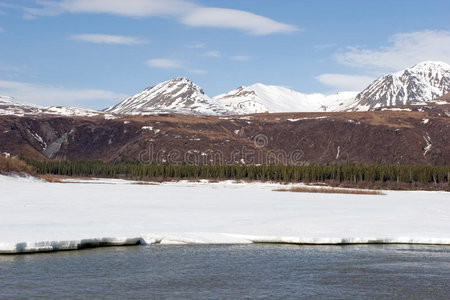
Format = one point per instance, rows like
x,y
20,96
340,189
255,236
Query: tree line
x,y
311,173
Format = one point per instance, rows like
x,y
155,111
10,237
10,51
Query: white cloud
x,y
108,39
345,82
185,11
405,50
240,58
198,71
129,8
236,19
164,63
1,29
196,46
212,54
51,95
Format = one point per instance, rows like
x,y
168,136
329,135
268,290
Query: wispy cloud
x,y
5,5
196,46
240,58
345,82
198,71
50,95
235,19
108,39
405,50
164,63
1,29
212,54
185,11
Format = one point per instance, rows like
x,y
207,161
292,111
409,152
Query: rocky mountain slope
x,y
419,84
445,98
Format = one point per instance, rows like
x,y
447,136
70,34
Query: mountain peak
x,y
432,63
426,67
179,95
179,80
419,84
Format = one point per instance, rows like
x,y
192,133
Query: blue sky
x,y
93,53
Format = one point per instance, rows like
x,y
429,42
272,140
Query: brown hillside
x,y
382,137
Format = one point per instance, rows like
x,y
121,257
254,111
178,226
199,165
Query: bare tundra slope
x,y
410,135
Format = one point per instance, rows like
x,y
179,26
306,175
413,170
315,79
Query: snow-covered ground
x,y
40,216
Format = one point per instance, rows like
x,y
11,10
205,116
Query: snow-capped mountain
x,y
419,84
260,98
9,106
178,95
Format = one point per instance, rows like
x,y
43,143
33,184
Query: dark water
x,y
252,271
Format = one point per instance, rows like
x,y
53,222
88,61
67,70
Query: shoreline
x,y
54,246
153,181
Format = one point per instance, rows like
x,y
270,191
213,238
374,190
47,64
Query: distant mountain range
x,y
9,106
420,84
400,119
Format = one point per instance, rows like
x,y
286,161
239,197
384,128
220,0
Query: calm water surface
x,y
251,271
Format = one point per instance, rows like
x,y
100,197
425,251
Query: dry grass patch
x,y
52,178
12,164
329,191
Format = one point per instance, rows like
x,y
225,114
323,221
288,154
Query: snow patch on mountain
x,y
72,111
260,98
9,106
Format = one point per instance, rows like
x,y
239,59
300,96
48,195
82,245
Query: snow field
x,y
40,216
